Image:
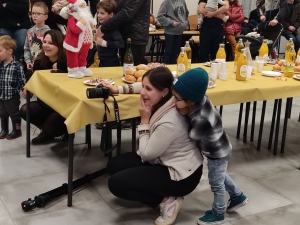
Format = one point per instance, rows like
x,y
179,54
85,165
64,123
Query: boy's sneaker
x,y
169,212
210,218
238,203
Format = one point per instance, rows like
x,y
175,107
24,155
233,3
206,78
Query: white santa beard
x,y
85,14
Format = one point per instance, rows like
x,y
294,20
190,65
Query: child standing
x,y
189,91
12,81
108,43
34,39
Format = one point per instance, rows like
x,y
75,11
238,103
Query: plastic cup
x,y
260,66
213,74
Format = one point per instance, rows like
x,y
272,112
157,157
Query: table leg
x,y
253,121
221,110
88,136
133,140
70,169
261,126
272,123
246,121
27,124
240,121
286,117
277,127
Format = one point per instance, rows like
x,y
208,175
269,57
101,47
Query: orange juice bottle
x,y
242,66
290,63
188,51
287,48
264,50
221,55
238,48
182,62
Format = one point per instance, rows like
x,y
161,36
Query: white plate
x,y
128,82
282,71
211,86
271,73
296,77
207,64
88,82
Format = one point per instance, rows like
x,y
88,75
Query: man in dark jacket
x,y
14,21
291,22
132,19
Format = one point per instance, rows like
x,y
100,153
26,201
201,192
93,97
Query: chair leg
x,y
261,126
253,121
286,116
272,124
248,104
277,127
240,120
88,135
290,110
221,110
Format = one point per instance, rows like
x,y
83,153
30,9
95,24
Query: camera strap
x,y
104,135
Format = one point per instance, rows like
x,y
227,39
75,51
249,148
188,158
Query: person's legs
x,y
297,42
54,125
231,39
4,120
176,48
169,42
149,184
205,44
217,34
19,36
138,53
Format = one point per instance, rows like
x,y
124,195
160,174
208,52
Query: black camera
x,y
98,92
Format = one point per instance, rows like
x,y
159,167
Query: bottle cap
x,y
128,39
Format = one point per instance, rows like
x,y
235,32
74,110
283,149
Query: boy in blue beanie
x,y
189,91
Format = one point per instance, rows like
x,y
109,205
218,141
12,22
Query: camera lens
x,y
98,92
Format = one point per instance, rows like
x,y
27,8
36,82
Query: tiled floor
x,y
272,183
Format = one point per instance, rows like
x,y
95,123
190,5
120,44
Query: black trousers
x,y
138,53
10,108
131,179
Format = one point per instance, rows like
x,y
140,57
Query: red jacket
x,y
236,17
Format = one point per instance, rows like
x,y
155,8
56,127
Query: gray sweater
x,y
170,11
33,42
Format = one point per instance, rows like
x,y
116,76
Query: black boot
x,y
16,132
4,128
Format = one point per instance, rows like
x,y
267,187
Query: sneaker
x,y
238,203
169,212
210,218
40,138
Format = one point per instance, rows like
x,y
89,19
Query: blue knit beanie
x,y
192,84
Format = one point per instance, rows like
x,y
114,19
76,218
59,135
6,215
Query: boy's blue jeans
x,y
220,181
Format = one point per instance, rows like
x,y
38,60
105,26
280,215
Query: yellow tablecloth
x,y
67,96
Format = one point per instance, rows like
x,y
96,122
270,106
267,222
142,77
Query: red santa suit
x,y
78,41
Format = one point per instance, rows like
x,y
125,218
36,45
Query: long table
x,y
68,97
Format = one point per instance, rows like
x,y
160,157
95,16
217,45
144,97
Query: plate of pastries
x,y
279,66
135,74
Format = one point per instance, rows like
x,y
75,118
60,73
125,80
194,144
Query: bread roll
x,y
139,73
130,78
142,67
130,71
276,67
297,68
139,79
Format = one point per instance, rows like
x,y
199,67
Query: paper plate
x,y
296,77
211,86
127,81
207,64
271,73
96,81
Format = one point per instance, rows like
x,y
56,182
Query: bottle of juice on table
x,y
128,58
182,62
238,48
290,63
221,55
264,50
287,48
188,51
297,62
242,66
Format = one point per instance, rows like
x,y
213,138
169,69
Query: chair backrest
x,y
193,22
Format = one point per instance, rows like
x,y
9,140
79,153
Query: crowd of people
x,y
161,172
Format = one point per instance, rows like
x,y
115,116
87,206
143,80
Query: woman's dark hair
x,y
160,78
57,40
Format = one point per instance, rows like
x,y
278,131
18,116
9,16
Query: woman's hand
x,y
112,89
175,23
54,66
145,111
262,18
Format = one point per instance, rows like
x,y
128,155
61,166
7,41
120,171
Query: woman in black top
x,y
43,116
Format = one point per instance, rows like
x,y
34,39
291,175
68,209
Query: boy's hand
x,y
29,66
99,32
99,41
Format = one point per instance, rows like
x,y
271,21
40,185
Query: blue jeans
x,y
220,181
210,38
19,35
296,40
172,48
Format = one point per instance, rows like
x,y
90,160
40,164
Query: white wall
x,y
191,5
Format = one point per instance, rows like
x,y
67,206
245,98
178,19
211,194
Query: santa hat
x,y
76,3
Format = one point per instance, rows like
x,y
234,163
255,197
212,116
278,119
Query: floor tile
x,y
5,218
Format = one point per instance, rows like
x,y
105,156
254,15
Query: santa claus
x,y
79,37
